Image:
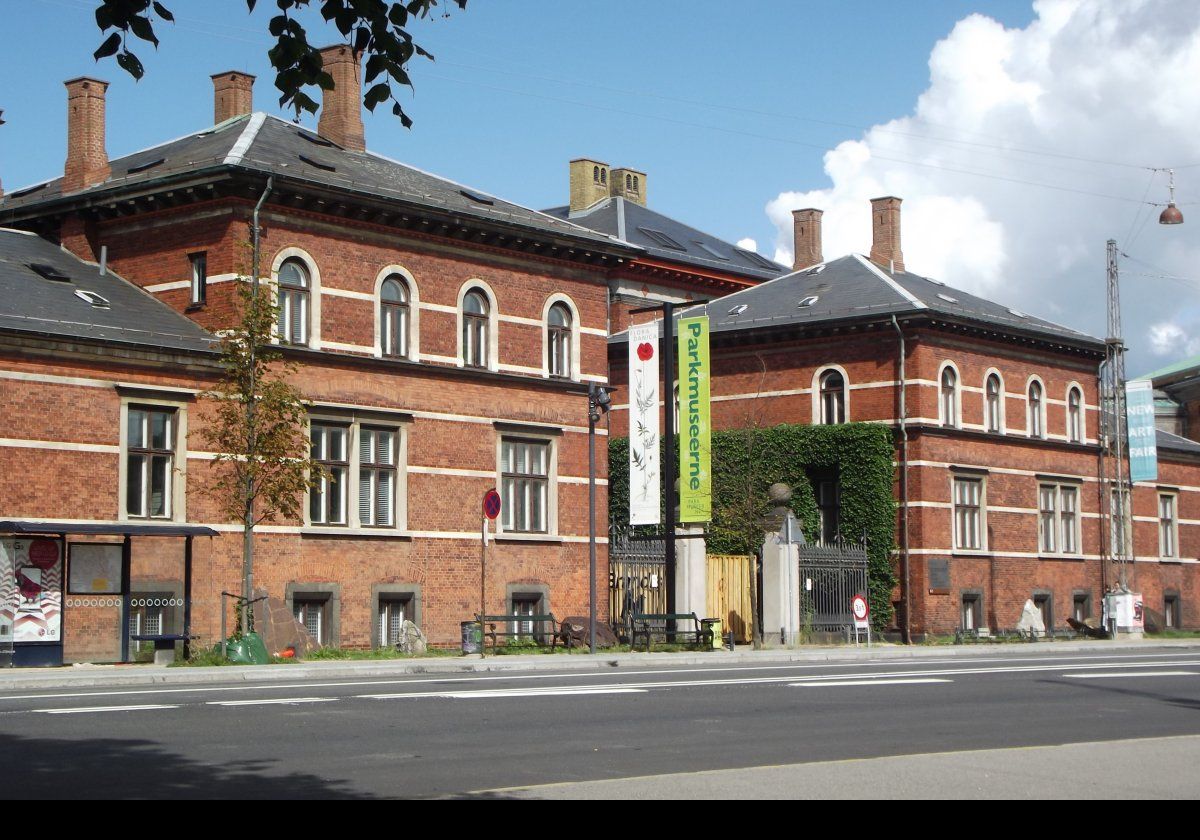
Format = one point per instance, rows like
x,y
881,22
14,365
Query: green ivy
x,y
748,461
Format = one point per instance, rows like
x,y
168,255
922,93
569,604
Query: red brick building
x,y
996,416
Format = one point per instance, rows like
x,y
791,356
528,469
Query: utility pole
x,y
1113,473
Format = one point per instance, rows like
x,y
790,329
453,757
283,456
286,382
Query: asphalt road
x,y
785,729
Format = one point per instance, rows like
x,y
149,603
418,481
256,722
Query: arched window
x,y
949,397
629,182
596,174
994,397
558,340
604,176
1075,416
293,298
1034,420
394,317
475,329
635,184
833,398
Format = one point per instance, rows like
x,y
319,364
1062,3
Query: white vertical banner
x,y
645,469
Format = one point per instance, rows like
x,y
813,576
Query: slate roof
x,y
1174,443
266,144
31,303
1174,373
853,287
658,234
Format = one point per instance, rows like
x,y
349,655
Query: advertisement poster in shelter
x,y
645,471
695,426
31,578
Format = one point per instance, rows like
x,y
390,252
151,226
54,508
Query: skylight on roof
x,y
662,239
808,301
758,259
317,164
815,270
314,139
739,309
27,191
142,167
50,272
98,301
935,282
947,298
476,197
714,252
1018,313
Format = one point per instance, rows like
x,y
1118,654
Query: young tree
x,y
376,28
258,431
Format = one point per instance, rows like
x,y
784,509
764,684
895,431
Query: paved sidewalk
x,y
100,676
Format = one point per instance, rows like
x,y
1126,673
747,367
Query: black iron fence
x,y
831,574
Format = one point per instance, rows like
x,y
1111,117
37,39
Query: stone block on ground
x,y
576,630
274,622
412,640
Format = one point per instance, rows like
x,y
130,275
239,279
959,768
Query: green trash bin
x,y
713,625
472,637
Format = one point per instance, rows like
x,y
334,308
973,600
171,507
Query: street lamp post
x,y
598,403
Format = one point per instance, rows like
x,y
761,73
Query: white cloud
x,y
748,244
1005,167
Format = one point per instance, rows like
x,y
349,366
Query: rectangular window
x,y
1168,527
199,287
1045,605
525,485
376,477
327,498
827,490
972,612
525,604
310,612
1171,612
968,514
1081,606
393,612
150,458
1058,519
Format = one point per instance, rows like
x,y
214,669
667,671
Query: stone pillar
x,y
781,571
691,573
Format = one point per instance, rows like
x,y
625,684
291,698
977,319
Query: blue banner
x,y
1139,413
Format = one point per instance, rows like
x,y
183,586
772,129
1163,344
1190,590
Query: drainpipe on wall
x,y
906,629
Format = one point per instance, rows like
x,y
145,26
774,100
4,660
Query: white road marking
x,y
88,709
835,683
281,701
516,692
1129,675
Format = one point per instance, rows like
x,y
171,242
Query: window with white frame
x,y
833,398
199,287
558,341
310,612
972,611
969,513
1075,415
948,403
293,297
376,477
150,462
524,604
475,323
1058,519
994,404
1168,526
1034,409
394,317
525,485
327,496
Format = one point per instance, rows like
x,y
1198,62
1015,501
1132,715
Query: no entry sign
x,y
491,504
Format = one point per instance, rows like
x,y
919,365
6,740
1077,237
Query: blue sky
x,y
1014,132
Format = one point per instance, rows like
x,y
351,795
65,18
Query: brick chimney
x,y
885,233
806,232
589,183
341,108
233,95
628,184
87,160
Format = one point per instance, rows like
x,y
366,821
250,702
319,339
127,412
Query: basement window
x,y
478,199
662,239
317,165
49,272
808,301
142,167
98,301
712,251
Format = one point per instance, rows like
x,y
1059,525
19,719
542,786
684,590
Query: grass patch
x,y
346,654
214,659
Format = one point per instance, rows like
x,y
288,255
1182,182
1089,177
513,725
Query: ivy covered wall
x,y
748,461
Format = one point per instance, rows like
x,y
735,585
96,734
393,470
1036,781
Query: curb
x,y
118,676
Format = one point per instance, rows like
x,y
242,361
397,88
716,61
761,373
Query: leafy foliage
x,y
375,28
259,427
746,462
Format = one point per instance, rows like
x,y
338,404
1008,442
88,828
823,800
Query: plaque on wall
x,y
939,576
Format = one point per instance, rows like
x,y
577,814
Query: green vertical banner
x,y
695,426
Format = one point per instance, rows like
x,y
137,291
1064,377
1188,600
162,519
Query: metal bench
x,y
648,624
163,643
513,628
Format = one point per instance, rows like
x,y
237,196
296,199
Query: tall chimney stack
x,y
341,108
885,233
806,230
87,160
233,95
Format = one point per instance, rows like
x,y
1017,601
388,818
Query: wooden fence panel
x,y
729,578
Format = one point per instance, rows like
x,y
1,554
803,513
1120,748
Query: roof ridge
x,y
896,287
245,139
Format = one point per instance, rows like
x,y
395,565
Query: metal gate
x,y
831,574
637,568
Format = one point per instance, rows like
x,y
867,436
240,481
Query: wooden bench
x,y
513,628
647,624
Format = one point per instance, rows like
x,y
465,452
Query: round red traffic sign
x,y
858,605
491,504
